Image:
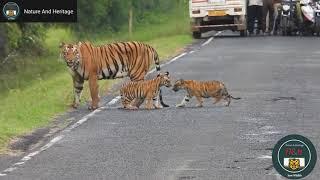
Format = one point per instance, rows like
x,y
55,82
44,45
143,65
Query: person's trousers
x,y
267,8
276,6
254,12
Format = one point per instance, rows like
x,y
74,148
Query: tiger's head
x,y
164,79
179,84
70,54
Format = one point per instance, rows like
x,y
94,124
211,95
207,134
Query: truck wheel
x,y
243,33
196,34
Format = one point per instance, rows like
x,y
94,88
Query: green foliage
x,y
21,38
14,34
112,15
33,35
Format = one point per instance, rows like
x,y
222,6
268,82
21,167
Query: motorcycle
x,y
288,17
308,14
317,18
311,17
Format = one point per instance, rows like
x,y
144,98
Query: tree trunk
x,y
130,21
2,43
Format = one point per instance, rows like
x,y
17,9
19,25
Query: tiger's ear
x,y
61,45
166,73
79,44
159,74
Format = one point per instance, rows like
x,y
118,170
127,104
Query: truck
x,y
218,15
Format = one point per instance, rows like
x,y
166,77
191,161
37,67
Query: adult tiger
x,y
115,60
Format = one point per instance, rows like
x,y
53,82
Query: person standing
x,y
254,13
276,6
267,8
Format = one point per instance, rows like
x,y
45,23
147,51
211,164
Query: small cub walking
x,y
134,93
202,89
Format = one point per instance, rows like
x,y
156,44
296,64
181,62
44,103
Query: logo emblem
x,y
294,156
294,164
11,11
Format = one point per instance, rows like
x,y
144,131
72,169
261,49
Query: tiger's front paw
x,y
75,105
180,105
150,107
158,106
92,108
131,107
199,105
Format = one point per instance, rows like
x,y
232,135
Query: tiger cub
x,y
202,89
133,94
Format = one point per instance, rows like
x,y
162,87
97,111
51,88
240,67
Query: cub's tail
x,y
236,98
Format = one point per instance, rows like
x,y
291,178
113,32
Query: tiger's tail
x,y
157,63
225,93
235,98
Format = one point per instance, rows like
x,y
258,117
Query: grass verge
x,y
40,89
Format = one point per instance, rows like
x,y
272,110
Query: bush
x,y
21,37
112,15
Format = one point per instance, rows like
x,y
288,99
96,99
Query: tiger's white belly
x,y
105,74
121,74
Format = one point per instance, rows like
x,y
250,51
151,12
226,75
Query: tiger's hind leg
x,y
228,99
185,100
200,101
94,91
137,102
217,99
127,104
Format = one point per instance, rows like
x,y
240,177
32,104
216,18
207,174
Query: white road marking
x,y
265,157
114,100
207,42
10,169
19,163
26,158
189,169
218,33
191,52
51,143
78,123
33,153
172,60
210,39
113,123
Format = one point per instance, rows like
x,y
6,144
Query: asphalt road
x,y
213,142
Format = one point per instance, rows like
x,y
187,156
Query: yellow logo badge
x,y
294,164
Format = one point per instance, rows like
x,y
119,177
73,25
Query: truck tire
x,y
243,33
196,34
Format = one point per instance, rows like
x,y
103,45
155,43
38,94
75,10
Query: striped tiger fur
x,y
133,94
203,89
116,60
